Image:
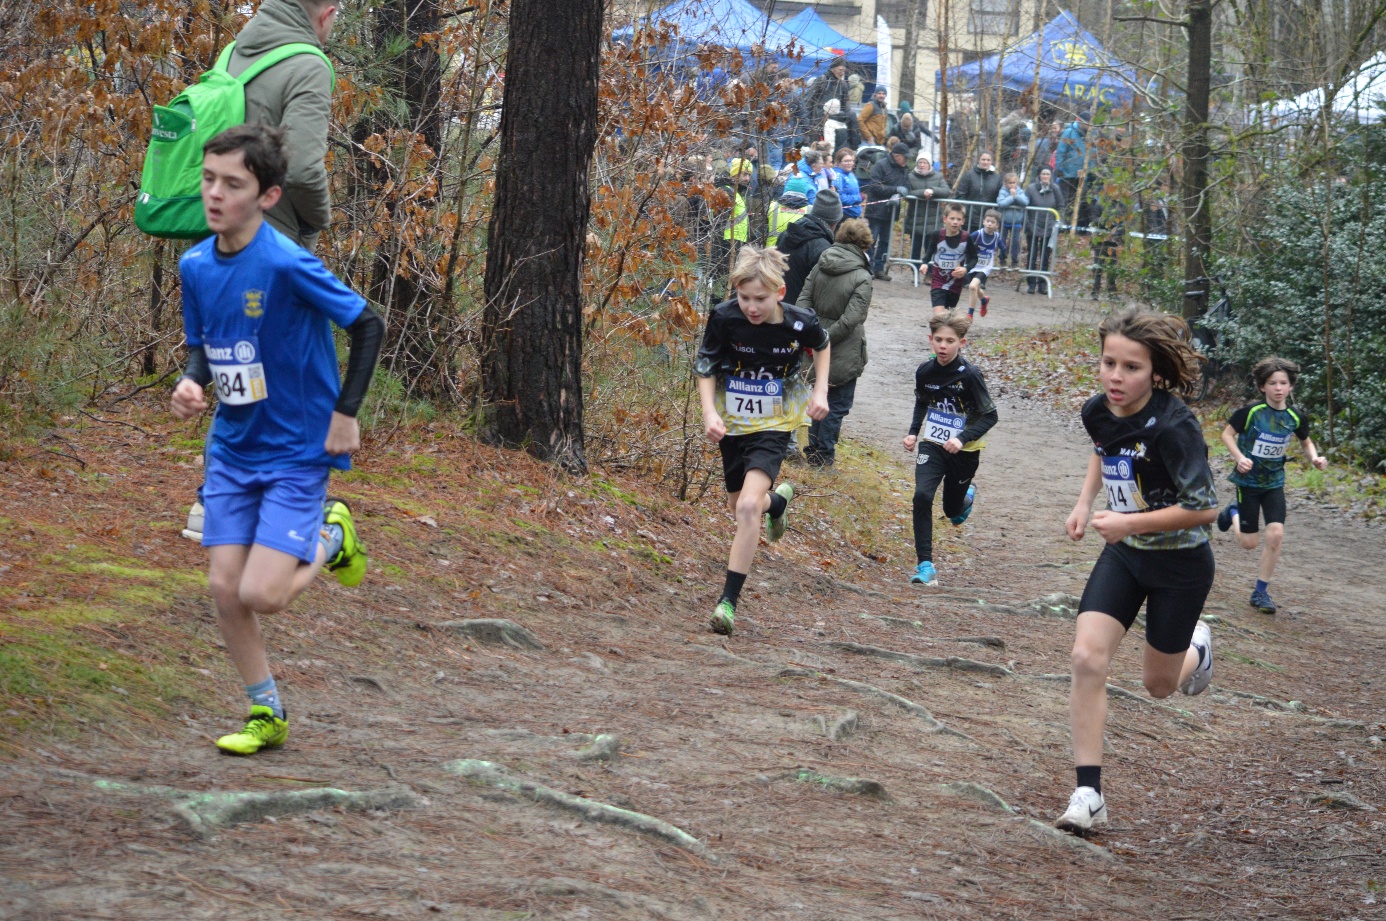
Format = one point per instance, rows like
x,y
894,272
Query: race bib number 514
x,y
1119,481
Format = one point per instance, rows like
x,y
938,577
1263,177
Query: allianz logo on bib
x,y
245,351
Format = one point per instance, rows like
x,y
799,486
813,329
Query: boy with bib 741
x,y
1257,437
258,311
754,396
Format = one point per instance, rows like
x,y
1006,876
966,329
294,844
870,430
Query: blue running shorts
x,y
279,509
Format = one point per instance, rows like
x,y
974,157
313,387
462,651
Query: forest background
x,y
90,306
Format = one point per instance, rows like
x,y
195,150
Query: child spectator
x,y
1257,437
952,412
754,395
1012,201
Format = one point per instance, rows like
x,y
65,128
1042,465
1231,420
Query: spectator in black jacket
x,y
890,178
1044,192
806,239
980,184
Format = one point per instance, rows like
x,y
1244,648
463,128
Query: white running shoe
x,y
1086,808
196,514
1202,676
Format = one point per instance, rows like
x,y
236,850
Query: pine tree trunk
x,y
1198,219
531,333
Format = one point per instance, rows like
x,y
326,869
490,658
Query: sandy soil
x,y
1237,804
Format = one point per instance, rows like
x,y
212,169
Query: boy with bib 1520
x,y
1258,437
258,311
754,396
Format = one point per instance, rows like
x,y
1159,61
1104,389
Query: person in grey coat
x,y
839,291
1044,192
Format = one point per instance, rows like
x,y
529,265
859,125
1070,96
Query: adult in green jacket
x,y
839,291
295,95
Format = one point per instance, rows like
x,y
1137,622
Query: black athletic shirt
x,y
955,389
1153,460
764,362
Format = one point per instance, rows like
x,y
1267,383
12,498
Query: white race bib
x,y
940,426
237,372
752,398
1270,447
1119,479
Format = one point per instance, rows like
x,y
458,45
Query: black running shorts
x,y
981,276
1173,584
1253,504
763,451
942,297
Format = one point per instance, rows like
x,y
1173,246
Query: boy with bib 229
x,y
258,311
754,396
1257,437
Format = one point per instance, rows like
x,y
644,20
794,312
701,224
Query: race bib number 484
x,y
237,372
750,398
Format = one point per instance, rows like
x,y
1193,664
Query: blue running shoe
x,y
925,574
1225,516
1261,601
967,506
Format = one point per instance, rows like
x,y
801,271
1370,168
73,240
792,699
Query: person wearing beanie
x,y
806,239
890,181
783,211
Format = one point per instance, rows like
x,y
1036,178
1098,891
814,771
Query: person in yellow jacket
x,y
735,226
783,211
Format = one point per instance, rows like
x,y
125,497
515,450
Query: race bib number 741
x,y
751,398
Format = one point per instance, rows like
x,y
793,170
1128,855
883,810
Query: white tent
x,y
1362,97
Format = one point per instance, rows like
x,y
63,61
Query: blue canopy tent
x,y
738,25
814,32
1073,69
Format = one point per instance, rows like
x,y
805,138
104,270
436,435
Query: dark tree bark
x,y
531,334
1198,218
415,349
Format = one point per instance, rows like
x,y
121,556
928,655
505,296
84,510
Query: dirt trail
x,y
1256,800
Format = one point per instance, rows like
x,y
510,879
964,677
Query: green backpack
x,y
170,199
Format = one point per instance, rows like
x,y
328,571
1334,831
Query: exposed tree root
x,y
978,793
1115,691
495,631
955,662
853,785
493,775
600,748
908,706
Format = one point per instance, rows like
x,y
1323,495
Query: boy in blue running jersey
x,y
990,247
1258,437
257,314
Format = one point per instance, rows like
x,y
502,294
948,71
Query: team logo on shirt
x,y
1137,451
254,303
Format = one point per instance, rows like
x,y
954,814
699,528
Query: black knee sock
x,y
777,504
1090,776
731,591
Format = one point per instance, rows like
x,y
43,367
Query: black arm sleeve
x,y
366,335
983,416
921,402
970,258
197,370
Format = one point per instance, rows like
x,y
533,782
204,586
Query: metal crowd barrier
x,y
932,221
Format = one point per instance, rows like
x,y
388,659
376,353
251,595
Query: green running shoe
x,y
774,527
724,618
264,730
349,565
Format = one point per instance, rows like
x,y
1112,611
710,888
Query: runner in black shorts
x,y
950,257
1257,438
754,396
952,413
1151,462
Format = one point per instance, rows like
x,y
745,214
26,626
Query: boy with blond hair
x,y
754,396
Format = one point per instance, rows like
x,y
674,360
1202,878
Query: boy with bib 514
x,y
754,396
